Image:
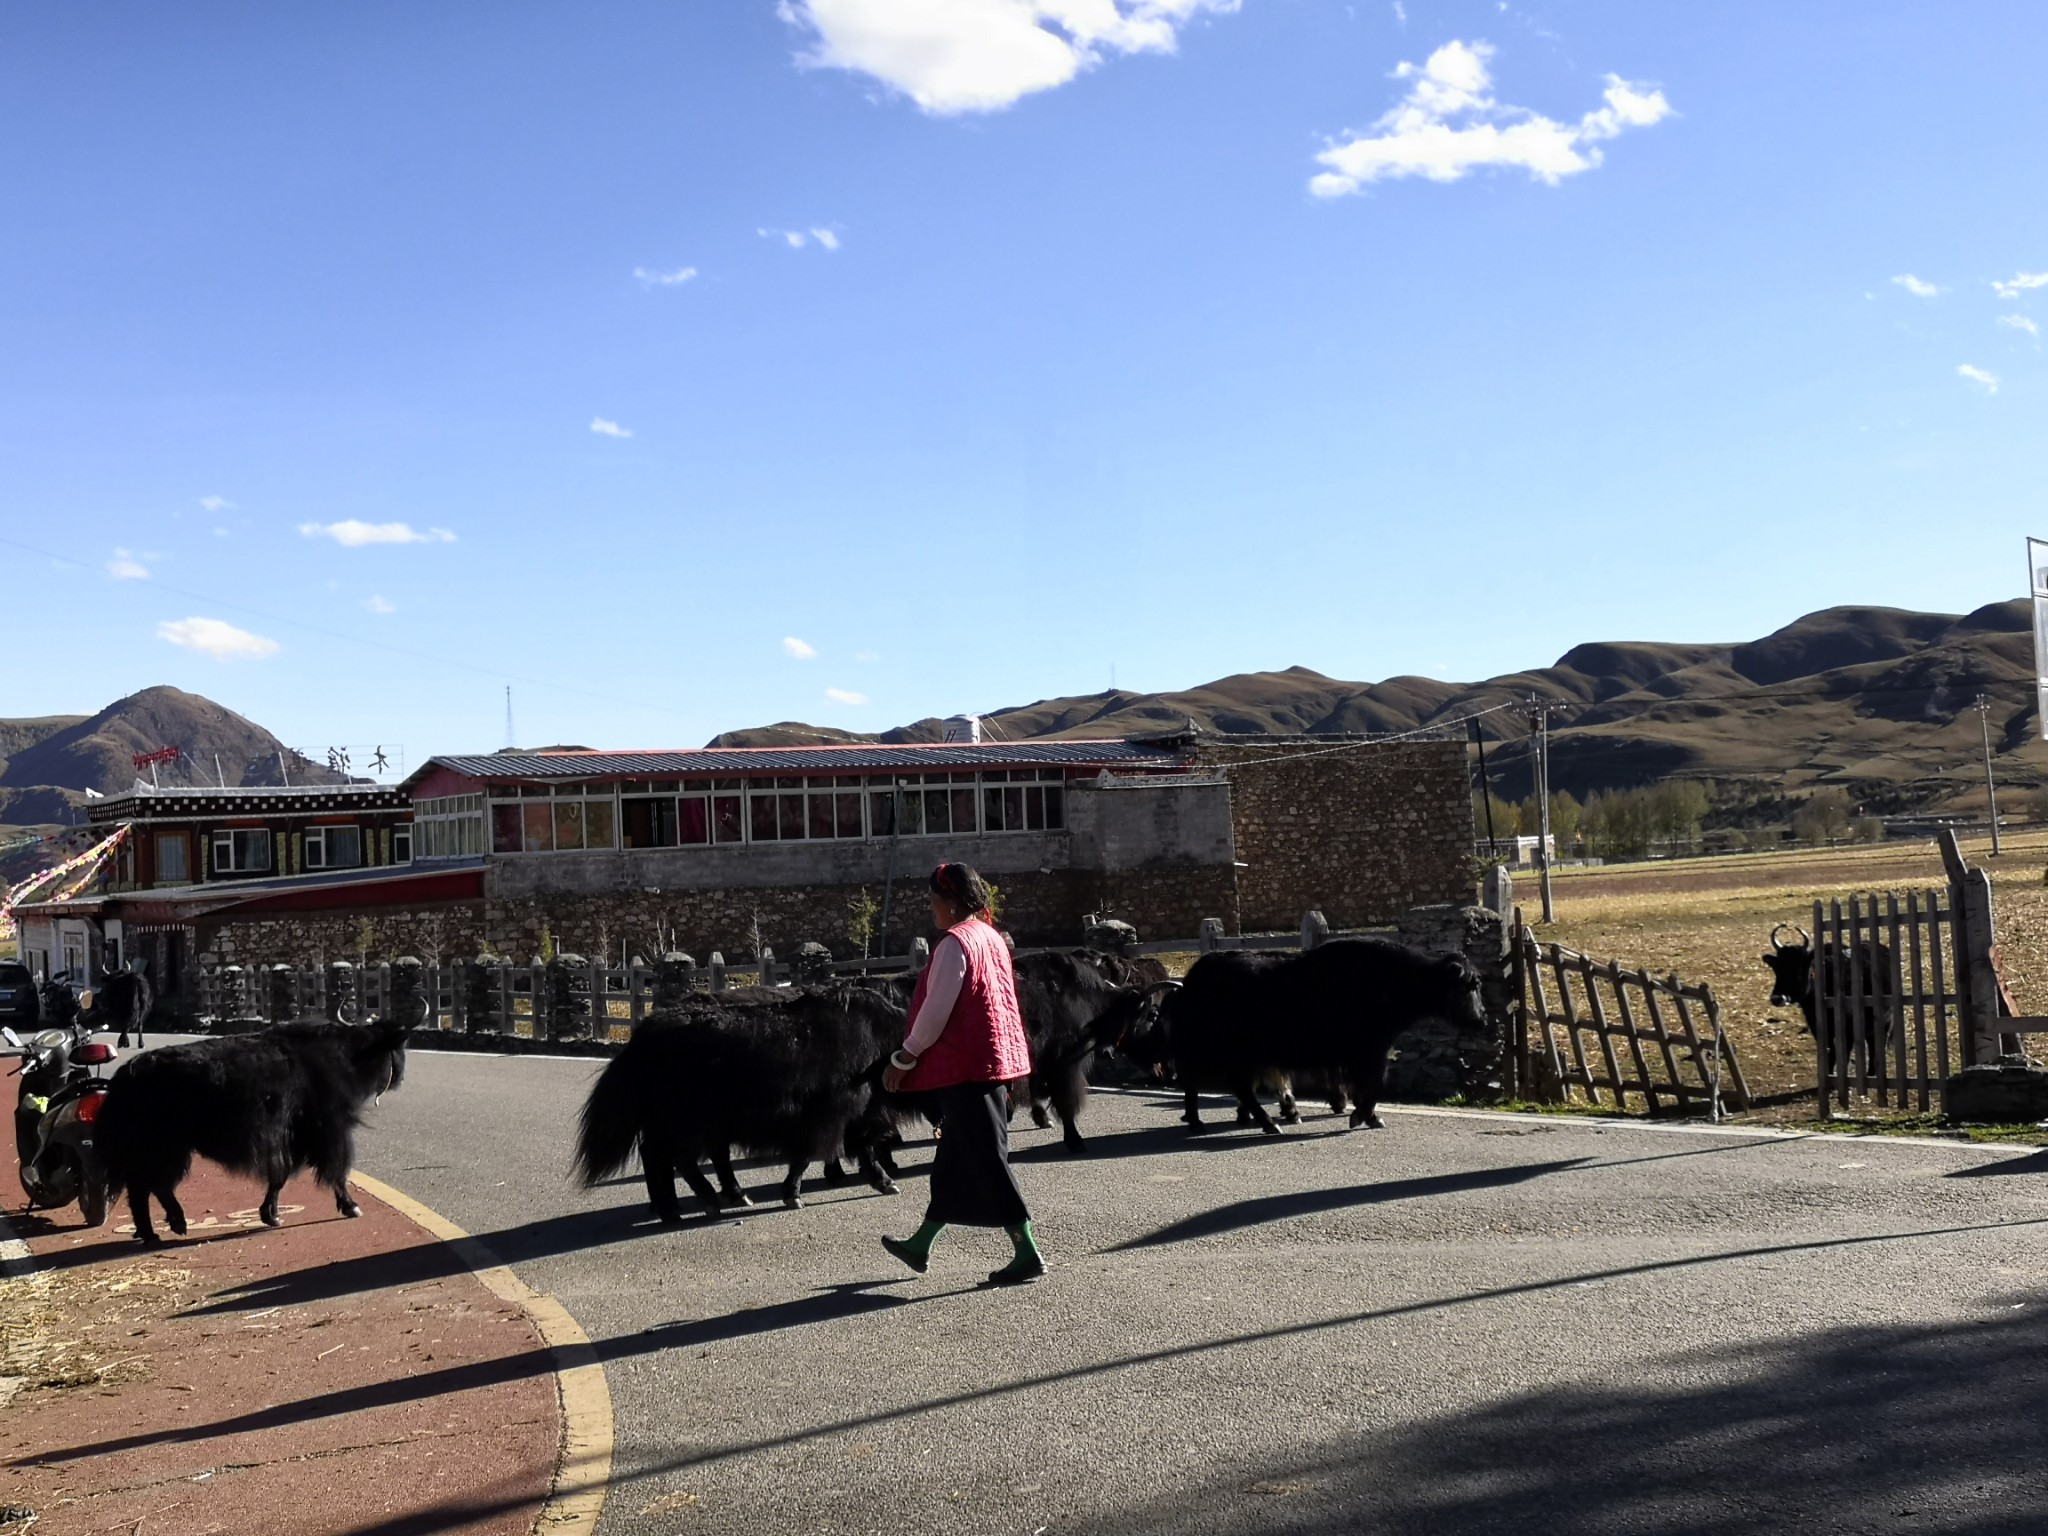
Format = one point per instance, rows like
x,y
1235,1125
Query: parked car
x,y
19,1004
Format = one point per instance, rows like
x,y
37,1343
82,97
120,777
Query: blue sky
x,y
691,367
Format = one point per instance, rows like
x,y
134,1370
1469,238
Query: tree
x,y
1565,815
1507,816
862,911
1676,808
1824,817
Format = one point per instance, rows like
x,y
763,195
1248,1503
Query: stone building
x,y
623,853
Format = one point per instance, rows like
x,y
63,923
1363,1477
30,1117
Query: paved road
x,y
1461,1323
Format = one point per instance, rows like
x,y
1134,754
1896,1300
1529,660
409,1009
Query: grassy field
x,y
1710,919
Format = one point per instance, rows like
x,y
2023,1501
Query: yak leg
x,y
1367,1082
1290,1112
871,1169
699,1185
174,1213
792,1185
1248,1103
658,1167
138,1208
331,1172
728,1186
267,1211
1193,1113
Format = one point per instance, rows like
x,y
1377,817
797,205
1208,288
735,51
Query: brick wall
x,y
1361,834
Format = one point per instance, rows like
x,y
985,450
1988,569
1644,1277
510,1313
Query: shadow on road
x,y
2036,1162
1311,1202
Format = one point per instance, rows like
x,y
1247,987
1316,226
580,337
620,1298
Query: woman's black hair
x,y
960,885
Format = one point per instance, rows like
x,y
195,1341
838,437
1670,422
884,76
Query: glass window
x,y
792,814
568,825
539,827
964,808
505,835
820,816
693,824
334,848
170,857
761,818
401,843
725,818
597,824
938,811
847,814
243,851
789,783
1055,810
649,823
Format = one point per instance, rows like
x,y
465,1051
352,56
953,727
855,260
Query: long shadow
x,y
832,1304
1160,1140
2036,1162
1252,1213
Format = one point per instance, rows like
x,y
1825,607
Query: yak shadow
x,y
833,1303
1162,1141
1312,1202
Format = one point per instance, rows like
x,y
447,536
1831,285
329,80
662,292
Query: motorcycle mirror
x,y
85,1000
12,1038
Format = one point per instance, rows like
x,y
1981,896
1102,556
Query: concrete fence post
x,y
1210,938
405,996
675,975
717,971
766,962
340,993
920,954
1315,928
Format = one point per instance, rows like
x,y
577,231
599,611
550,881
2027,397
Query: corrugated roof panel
x,y
859,757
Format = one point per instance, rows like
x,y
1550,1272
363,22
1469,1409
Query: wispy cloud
x,y
378,604
955,56
216,638
1400,13
2019,283
355,534
867,655
797,239
1918,287
650,277
216,504
1450,125
1978,376
2021,323
845,696
125,566
802,650
605,428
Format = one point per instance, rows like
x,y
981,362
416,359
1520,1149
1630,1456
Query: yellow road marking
x,y
584,1468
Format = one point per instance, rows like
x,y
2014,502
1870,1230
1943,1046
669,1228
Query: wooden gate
x,y
1597,1027
1888,1017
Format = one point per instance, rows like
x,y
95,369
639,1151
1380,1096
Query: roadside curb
x,y
583,1464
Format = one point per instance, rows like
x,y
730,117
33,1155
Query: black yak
x,y
784,1075
1792,985
1075,1005
122,1001
1334,1010
266,1104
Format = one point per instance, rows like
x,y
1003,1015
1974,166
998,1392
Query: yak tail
x,y
114,1141
611,1122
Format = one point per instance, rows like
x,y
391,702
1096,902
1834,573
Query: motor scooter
x,y
61,1094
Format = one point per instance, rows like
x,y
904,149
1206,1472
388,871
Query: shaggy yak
x,y
265,1104
1333,1011
1792,985
1075,1005
122,1002
785,1074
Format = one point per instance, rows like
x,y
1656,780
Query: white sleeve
x,y
948,971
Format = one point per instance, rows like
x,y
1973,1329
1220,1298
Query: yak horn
x,y
1778,944
1160,988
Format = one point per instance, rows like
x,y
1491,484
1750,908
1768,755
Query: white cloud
x,y
126,567
378,604
1400,13
216,638
605,428
797,239
1918,287
355,534
216,504
845,696
651,278
2020,283
953,56
2021,323
827,238
1979,376
801,650
1450,125
867,655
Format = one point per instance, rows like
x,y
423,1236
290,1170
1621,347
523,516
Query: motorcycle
x,y
61,1094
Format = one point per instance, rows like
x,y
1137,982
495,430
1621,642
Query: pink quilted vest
x,y
983,1041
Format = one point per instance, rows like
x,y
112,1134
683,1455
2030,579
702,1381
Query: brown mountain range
x,y
1880,700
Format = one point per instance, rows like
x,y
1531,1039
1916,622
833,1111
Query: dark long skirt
x,y
972,1185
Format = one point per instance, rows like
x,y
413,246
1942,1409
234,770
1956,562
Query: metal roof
x,y
857,757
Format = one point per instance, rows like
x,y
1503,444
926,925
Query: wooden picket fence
x,y
1595,1027
1888,1023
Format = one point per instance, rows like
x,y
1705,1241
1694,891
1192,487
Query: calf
x,y
1334,1010
265,1105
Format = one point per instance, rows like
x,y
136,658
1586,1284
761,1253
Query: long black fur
x,y
122,1002
1333,1011
1074,1005
783,1074
265,1104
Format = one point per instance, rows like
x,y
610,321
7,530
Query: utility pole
x,y
1539,722
1990,783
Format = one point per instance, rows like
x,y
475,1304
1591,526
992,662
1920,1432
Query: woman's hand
x,y
892,1078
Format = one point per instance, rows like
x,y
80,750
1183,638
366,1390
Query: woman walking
x,y
966,1041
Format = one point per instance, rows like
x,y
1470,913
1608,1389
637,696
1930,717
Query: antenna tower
x,y
511,741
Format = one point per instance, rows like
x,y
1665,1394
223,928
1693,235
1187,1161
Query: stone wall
x,y
445,930
1362,834
1439,1061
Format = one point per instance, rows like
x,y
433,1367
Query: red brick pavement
x,y
331,1378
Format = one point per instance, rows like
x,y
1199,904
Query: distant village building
x,y
610,853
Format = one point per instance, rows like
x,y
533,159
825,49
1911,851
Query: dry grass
x,y
1709,920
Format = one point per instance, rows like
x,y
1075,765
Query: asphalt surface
x,y
1460,1323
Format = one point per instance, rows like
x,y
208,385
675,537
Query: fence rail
x,y
1602,1028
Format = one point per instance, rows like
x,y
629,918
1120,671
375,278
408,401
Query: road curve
x,y
1461,1323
